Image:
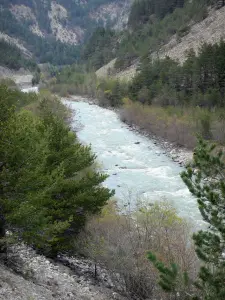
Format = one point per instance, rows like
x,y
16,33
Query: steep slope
x,y
51,31
33,276
210,30
192,35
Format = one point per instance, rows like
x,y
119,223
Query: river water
x,y
137,168
33,89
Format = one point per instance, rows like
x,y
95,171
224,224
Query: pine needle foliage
x,y
48,183
206,181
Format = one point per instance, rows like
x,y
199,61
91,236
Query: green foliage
x,y
113,91
76,80
48,184
100,48
168,275
36,78
208,186
199,81
205,179
11,57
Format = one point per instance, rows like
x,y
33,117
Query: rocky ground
x,y
29,276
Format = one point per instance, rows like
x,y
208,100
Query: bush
x,y
119,240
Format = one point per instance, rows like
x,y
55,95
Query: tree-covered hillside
x,y
52,30
151,24
44,50
12,58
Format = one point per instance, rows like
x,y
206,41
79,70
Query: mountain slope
x,y
189,32
46,26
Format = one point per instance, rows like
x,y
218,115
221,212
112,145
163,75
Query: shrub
x,y
119,240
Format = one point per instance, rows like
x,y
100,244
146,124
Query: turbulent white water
x,y
135,165
33,89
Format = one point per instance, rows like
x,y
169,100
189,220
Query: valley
x,y
112,149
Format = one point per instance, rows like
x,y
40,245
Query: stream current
x,y
137,168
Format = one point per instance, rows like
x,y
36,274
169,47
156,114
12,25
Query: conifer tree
x,y
205,179
48,183
208,185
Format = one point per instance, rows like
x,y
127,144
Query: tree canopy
x,y
48,182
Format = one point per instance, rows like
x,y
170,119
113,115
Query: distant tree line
x,y
142,10
100,48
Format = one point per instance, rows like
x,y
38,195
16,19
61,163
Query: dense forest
x,y
44,50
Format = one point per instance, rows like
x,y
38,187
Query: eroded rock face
x,y
66,27
23,12
17,43
210,30
32,276
58,16
116,12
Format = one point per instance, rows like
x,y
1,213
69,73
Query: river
x,y
137,168
33,89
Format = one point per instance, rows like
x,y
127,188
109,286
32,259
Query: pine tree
x,y
171,279
205,179
208,185
48,183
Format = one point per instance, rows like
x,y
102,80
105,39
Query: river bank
x,y
131,161
178,154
